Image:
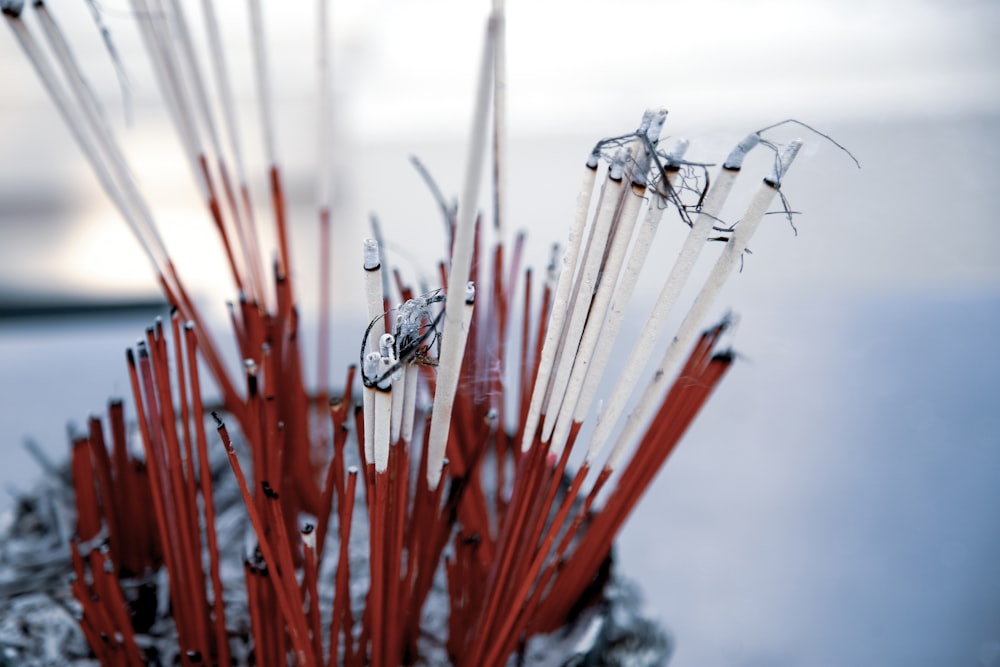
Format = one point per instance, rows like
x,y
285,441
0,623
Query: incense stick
x,y
456,313
597,343
696,238
546,357
723,268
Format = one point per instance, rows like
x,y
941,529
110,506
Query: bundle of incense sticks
x,y
450,491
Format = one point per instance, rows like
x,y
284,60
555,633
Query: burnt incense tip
x,y
370,371
725,356
735,160
308,528
371,255
656,122
194,657
647,118
309,540
115,403
250,366
387,346
675,157
352,470
783,162
617,169
12,8
728,321
142,349
268,491
219,424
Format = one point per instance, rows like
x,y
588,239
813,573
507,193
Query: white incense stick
x,y
584,289
81,89
263,77
679,274
383,259
190,59
387,348
560,302
616,312
325,157
444,396
399,398
159,46
383,418
456,306
247,230
101,131
651,126
597,343
640,417
383,404
370,370
373,293
73,122
568,386
410,376
225,89
499,120
372,361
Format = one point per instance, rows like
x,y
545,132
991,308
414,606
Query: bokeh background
x,y
838,501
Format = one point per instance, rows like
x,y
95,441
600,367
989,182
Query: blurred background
x,y
838,500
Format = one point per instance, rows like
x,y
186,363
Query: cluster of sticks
x,y
521,540
115,537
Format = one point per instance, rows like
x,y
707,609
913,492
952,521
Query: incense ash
x,y
441,507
